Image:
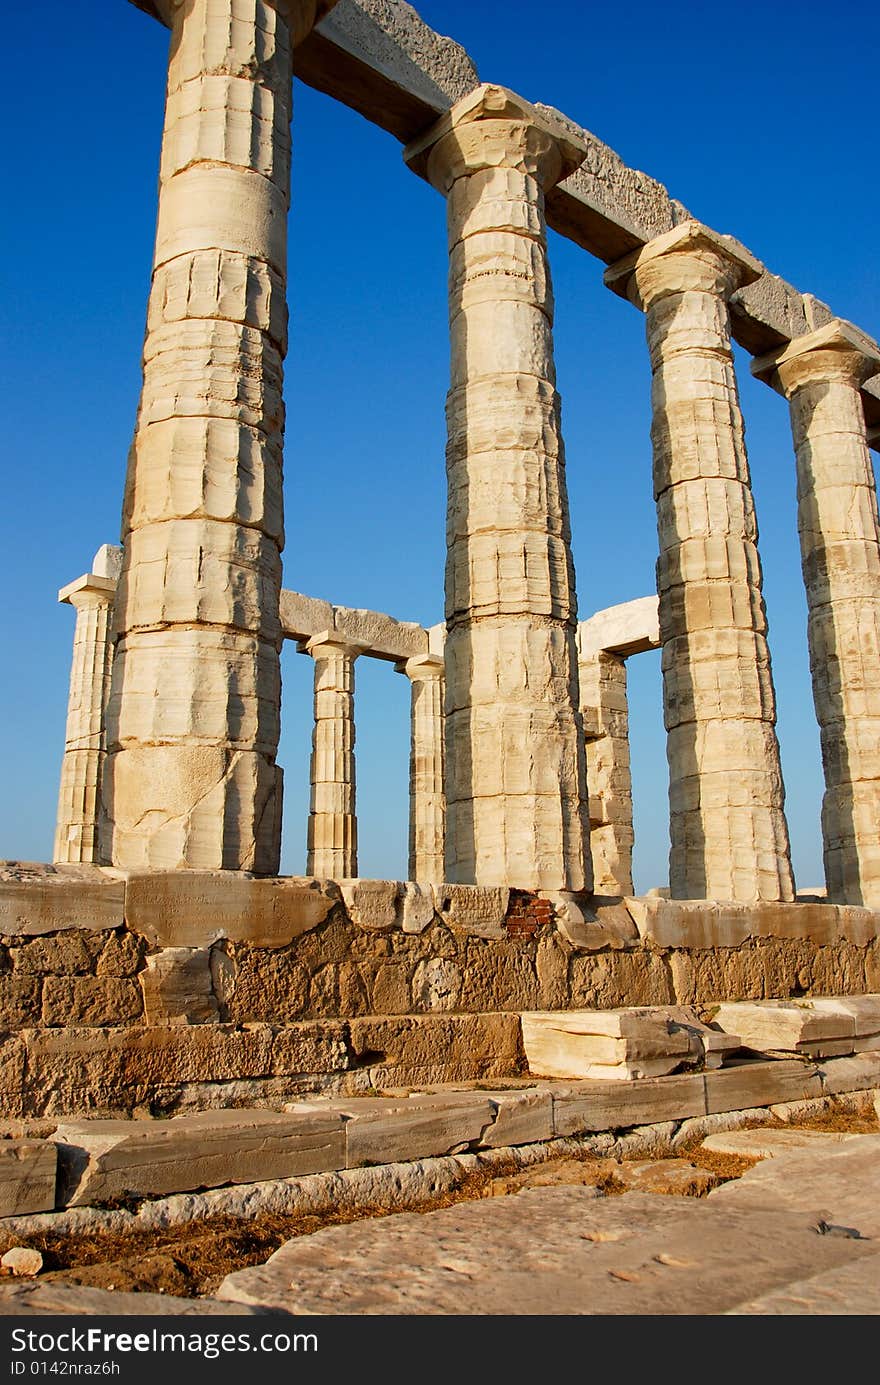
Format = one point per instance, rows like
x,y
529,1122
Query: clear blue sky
x,y
760,118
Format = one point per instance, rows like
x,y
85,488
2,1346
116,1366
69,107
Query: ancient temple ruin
x,y
205,974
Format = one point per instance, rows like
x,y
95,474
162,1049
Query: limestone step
x,y
105,1159
379,1131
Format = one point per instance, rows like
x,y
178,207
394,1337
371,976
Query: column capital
x,y
421,667
489,128
837,351
329,642
689,257
88,589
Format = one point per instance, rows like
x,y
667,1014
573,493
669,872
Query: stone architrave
x,y
515,776
332,831
193,714
729,838
821,375
78,828
427,802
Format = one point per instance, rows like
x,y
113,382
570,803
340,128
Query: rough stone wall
x,y
180,992
219,948
72,978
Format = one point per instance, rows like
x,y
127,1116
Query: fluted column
x,y
606,731
193,717
427,801
821,375
515,780
332,832
729,838
78,827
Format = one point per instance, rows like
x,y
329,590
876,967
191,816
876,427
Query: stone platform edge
x,y
244,1161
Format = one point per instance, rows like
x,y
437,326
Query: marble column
x,y
729,838
609,781
515,777
193,716
821,374
427,801
78,828
332,832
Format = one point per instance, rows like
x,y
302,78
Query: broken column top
x,y
855,349
692,240
495,103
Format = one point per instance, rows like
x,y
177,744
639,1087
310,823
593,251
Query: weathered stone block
x,y
90,1000
372,904
261,984
121,956
473,908
100,1160
521,1118
594,1106
27,1177
57,902
178,988
857,1074
436,984
20,1001
310,1047
617,1045
777,1025
196,908
59,954
416,1049
387,1131
760,1084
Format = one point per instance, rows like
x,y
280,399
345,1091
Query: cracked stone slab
x,y
846,1291
548,1251
382,1131
105,1159
56,901
196,908
38,1300
837,1185
770,1144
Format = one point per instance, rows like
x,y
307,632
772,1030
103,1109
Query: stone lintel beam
x,y
378,635
384,62
633,627
842,345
